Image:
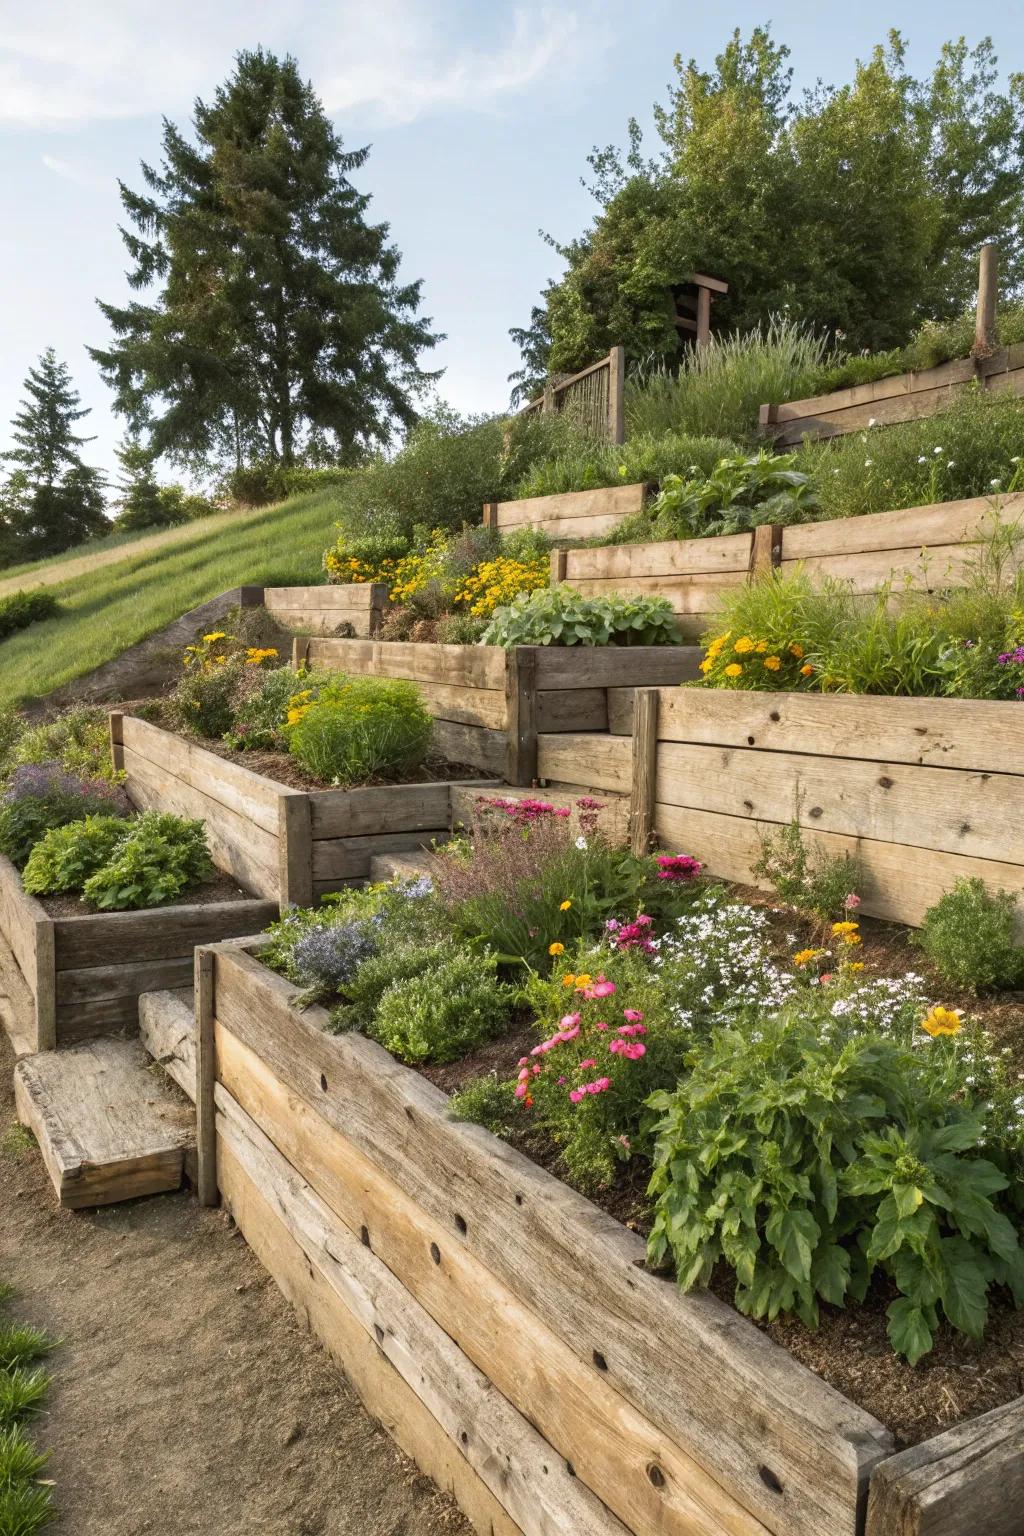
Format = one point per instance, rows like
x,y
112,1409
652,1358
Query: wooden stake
x,y
559,562
206,1078
617,395
521,714
295,849
703,316
645,770
116,723
985,322
765,550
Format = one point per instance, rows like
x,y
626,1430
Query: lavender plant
x,y
41,796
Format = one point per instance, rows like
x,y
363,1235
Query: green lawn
x,y
113,605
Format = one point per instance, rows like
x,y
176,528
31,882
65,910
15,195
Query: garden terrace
x,y
355,608
492,706
570,515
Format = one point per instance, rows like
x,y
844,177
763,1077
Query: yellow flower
x,y
733,669
855,965
772,663
805,671
942,1021
568,980
805,956
706,664
846,927
564,907
743,645
556,949
761,647
796,650
583,980
218,634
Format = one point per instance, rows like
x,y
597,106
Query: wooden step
x,y
167,1029
109,1126
398,866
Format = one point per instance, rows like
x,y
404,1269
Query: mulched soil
x,y
959,1379
218,888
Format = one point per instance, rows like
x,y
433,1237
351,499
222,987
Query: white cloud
x,y
64,63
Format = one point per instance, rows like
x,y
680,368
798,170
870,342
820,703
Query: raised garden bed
x,y
506,1328
356,608
491,705
84,974
289,845
571,514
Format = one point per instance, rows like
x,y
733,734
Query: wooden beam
x,y
206,1079
703,317
616,395
295,848
714,283
766,550
559,565
115,721
645,769
521,714
985,320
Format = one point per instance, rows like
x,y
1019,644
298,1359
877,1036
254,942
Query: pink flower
x,y
575,1094
852,902
524,1061
612,924
601,988
561,1080
563,811
568,1020
590,1062
631,1049
632,1014
522,1089
677,866
601,1025
632,1029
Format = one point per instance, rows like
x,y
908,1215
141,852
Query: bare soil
x,y
187,1398
218,888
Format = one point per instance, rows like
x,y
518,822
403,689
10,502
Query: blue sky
x,y
480,117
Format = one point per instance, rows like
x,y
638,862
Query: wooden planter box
x,y
355,608
505,1329
570,515
290,845
84,974
923,792
491,705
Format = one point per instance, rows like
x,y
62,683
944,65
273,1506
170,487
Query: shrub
x,y
563,616
444,1011
821,884
259,707
65,857
808,1163
42,796
217,674
587,465
969,937
78,738
254,485
161,856
361,729
371,557
459,629
740,493
24,608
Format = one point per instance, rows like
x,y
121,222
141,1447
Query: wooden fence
x,y
594,396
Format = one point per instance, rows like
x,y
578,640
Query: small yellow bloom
x,y
772,663
846,927
218,634
556,949
706,664
761,647
796,650
564,907
568,980
942,1021
733,669
855,965
583,980
805,956
743,645
806,670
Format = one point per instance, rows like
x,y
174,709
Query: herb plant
x,y
969,936
740,493
66,857
446,1009
360,729
41,796
563,616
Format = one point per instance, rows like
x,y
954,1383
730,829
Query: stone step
x,y
109,1126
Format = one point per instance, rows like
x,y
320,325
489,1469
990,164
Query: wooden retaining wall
x,y
923,792
570,515
85,974
491,705
289,845
902,397
354,608
503,1327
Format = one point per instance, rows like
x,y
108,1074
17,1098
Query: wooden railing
x,y
594,396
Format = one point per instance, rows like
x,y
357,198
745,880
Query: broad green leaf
x,y
794,1234
908,1329
830,1273
964,1281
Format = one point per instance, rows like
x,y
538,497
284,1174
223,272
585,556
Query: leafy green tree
x,y
274,324
142,502
51,499
858,208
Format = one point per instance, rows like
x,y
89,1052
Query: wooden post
x,y
703,316
490,514
521,714
644,788
300,652
767,417
295,849
617,395
45,984
985,321
116,724
250,597
765,550
206,1079
559,563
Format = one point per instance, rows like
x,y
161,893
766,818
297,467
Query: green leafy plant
x,y
813,881
161,856
78,738
969,937
808,1162
359,729
563,616
21,609
41,796
741,492
26,1501
644,457
65,858
259,707
451,1006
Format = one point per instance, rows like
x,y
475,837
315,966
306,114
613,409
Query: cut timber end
x,y
167,1028
108,1127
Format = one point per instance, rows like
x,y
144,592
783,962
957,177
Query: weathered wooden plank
x,y
239,847
98,983
521,713
248,794
907,407
792,1451
957,371
941,523
260,1212
605,666
689,596
665,557
967,1481
572,709
593,762
206,1077
167,1029
379,808
929,570
321,610
348,858
468,666
620,710
295,849
644,769
95,1017
629,1464
896,882
977,815
467,706
20,917
505,1451
473,745
105,938
581,508
977,734
107,1130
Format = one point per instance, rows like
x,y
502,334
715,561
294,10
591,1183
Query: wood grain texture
x,y
167,1029
607,666
580,508
968,1481
468,666
644,770
935,525
206,1077
106,938
323,610
792,1451
379,808
107,1129
521,713
17,1005
665,557
470,744
349,858
592,762
505,1452
631,1466
295,849
250,795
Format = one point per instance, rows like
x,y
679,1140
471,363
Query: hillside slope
x,y
118,596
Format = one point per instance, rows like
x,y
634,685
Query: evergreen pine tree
x,y
276,325
52,500
141,501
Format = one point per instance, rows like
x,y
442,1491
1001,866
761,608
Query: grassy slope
x,y
112,604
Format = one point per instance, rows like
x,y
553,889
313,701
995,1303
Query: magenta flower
x,y
677,866
632,1014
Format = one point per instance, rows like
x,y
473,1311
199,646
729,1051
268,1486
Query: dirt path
x,y
187,1398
